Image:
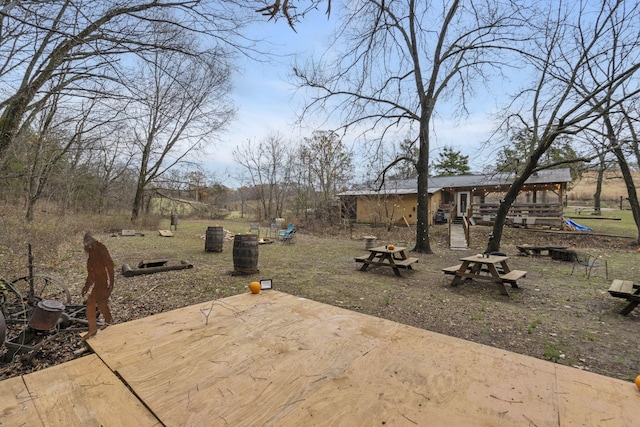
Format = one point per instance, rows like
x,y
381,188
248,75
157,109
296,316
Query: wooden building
x,y
540,201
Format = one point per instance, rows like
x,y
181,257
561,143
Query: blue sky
x,y
266,101
264,98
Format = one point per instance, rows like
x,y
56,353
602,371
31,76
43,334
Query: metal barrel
x,y
369,241
214,239
245,253
46,314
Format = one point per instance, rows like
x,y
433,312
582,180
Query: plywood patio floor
x,y
278,360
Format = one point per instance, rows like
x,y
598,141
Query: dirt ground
x,y
553,315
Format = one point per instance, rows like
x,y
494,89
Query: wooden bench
x,y
513,276
403,263
627,290
510,277
386,256
452,270
592,210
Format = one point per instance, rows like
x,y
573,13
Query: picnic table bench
x,y
452,270
591,209
399,262
511,277
492,268
628,290
382,256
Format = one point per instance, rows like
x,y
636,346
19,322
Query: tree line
x,y
101,99
104,101
300,179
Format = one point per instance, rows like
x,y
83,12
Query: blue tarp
x,y
577,226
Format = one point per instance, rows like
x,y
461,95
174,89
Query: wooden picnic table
x,y
493,268
382,256
628,290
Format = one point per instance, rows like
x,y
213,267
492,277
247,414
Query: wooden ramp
x,y
274,359
458,241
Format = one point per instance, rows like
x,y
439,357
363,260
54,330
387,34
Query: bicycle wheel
x,y
20,302
44,288
13,305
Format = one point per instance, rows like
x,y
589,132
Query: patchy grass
x,y
617,222
552,313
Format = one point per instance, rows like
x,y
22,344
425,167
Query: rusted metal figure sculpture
x,y
100,275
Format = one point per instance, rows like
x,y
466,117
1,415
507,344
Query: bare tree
x,y
632,116
617,145
94,160
178,104
595,141
391,66
111,160
94,40
54,133
267,167
302,189
292,11
330,166
621,135
583,55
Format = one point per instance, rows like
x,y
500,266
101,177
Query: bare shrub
x,y
54,238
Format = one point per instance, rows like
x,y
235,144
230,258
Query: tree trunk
x,y
147,204
602,167
626,172
12,116
137,203
31,207
493,245
631,187
422,215
598,193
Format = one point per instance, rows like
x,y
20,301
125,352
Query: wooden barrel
x,y
245,253
213,239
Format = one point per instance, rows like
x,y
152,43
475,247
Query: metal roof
x,y
396,191
437,183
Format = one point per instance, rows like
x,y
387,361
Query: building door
x,y
462,203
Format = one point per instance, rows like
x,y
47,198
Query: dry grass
x,y
613,187
554,315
